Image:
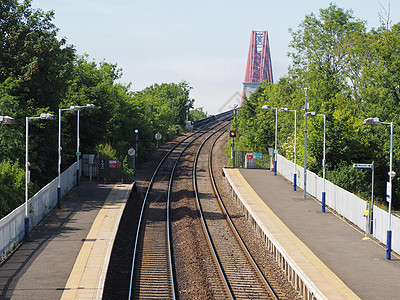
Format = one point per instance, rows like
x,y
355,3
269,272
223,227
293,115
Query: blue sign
x,y
257,154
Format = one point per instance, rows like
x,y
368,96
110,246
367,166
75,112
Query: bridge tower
x,y
259,67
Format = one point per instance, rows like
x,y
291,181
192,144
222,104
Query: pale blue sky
x,y
204,42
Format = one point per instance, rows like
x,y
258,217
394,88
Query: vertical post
x,y
77,148
59,161
389,232
233,152
294,151
276,141
136,144
305,145
26,179
323,168
371,215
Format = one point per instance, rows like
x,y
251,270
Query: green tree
x,y
197,114
34,66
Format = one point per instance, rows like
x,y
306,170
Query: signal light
x,y
232,133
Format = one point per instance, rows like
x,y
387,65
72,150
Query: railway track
x,y
240,275
230,273
152,274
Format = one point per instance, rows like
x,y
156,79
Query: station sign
x,y
388,192
362,166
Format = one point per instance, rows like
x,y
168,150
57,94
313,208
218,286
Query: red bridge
x,y
259,67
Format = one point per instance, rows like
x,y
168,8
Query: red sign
x,y
112,164
249,155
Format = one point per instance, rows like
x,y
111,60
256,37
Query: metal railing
x,y
344,203
12,226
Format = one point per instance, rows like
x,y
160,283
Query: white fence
x,y
12,226
345,203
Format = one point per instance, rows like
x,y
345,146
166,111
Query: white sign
x,y
28,177
131,152
362,166
388,192
158,136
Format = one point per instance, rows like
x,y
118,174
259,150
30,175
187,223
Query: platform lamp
x,y
7,120
43,116
392,174
276,136
295,143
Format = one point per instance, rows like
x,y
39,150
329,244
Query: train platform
x,y
325,251
68,253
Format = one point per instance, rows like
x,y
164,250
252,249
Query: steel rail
x,y
233,227
143,208
205,227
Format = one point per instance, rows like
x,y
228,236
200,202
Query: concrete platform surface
x,y
67,254
360,264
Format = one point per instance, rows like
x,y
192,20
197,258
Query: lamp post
x,y
305,144
59,157
295,143
373,121
313,114
136,140
42,116
71,108
77,109
276,136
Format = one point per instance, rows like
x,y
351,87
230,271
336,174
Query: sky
x,y
203,42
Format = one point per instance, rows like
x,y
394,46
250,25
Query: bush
x,y
12,186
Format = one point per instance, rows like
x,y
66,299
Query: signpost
x,y
158,137
370,214
132,152
271,153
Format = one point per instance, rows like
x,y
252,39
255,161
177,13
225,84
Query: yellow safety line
x,y
81,262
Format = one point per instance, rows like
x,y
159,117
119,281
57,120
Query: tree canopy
x,y
41,73
352,74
